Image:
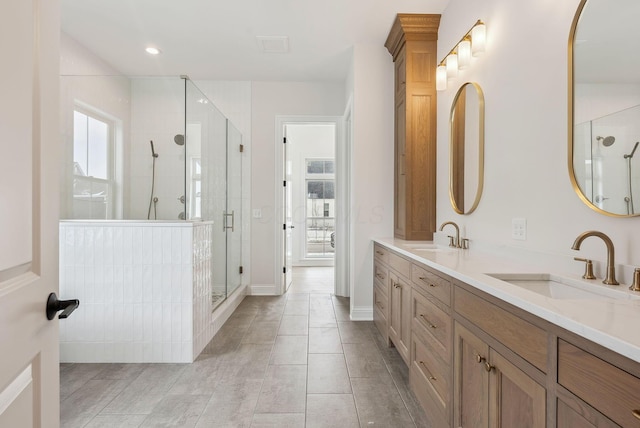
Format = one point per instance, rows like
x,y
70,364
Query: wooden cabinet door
x,y
405,320
471,380
395,308
400,317
515,400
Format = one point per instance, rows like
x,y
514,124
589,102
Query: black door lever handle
x,y
66,306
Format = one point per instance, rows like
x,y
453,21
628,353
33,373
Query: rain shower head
x,y
607,141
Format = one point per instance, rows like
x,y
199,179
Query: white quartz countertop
x,y
611,322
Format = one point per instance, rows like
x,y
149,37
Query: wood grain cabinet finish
x,y
477,361
490,390
610,390
525,339
412,42
400,315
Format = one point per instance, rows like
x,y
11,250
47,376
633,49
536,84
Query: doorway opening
x,y
309,202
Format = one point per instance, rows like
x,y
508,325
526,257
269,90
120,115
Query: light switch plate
x,y
257,213
519,229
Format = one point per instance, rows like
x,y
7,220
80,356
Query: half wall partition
x,y
147,151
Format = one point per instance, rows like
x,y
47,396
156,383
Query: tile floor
x,y
288,361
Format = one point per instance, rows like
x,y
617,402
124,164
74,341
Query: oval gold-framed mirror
x,y
604,106
466,148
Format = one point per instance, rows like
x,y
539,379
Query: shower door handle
x,y
225,226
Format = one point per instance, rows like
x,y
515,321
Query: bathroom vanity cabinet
x,y
477,361
412,42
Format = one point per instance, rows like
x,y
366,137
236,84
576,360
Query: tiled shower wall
x,y
144,291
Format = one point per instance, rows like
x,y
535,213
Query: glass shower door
x,y
234,208
206,129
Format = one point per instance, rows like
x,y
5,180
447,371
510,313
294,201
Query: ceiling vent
x,y
273,44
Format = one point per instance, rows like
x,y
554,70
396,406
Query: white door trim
x,y
341,256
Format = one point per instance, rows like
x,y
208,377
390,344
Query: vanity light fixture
x,y
152,50
471,44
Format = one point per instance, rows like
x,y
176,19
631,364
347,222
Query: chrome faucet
x,y
611,269
453,242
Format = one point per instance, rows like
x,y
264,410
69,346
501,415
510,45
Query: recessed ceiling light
x,y
152,51
273,44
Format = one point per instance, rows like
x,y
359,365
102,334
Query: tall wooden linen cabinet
x,y
413,44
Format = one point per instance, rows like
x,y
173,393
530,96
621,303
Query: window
x,y
320,208
93,175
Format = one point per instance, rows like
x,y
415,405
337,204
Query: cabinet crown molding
x,y
411,27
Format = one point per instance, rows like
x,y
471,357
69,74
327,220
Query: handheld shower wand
x,y
629,199
153,201
153,152
630,155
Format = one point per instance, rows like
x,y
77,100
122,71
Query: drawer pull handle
x,y
428,322
380,253
488,367
431,377
397,285
380,305
379,276
425,280
636,414
479,358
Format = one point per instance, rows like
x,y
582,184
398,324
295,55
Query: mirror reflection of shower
x,y
629,199
153,200
607,141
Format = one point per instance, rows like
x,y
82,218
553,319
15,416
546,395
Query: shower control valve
x,y
181,199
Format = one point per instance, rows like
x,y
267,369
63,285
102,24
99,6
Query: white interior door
x,y
288,217
29,133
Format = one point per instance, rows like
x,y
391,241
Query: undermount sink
x,y
559,287
426,247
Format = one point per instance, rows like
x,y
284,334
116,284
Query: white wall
x,y
524,77
271,99
370,86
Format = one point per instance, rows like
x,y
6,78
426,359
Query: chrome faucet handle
x,y
464,244
636,280
588,268
451,241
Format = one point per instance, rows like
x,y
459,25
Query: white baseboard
x,y
262,290
362,313
222,313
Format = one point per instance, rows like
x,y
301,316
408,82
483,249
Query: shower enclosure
x,y
605,161
153,149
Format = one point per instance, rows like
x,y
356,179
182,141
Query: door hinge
x,y
241,148
284,226
284,270
284,140
240,270
284,183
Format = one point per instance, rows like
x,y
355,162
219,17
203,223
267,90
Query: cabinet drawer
x,y
610,390
380,272
380,253
431,323
431,284
400,265
522,337
380,299
432,372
